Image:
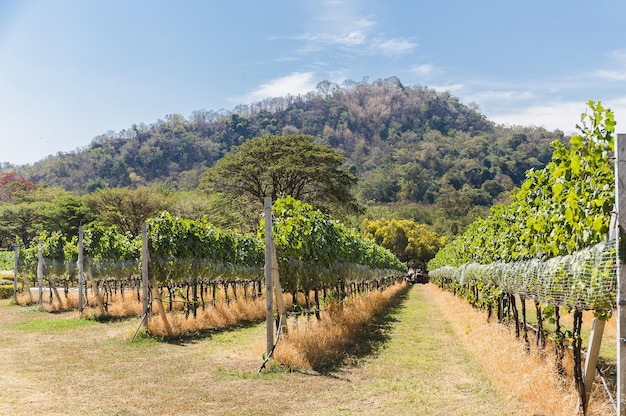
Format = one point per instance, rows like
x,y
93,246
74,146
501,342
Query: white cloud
x,y
393,47
556,115
339,23
423,70
347,38
611,75
358,37
448,87
562,115
492,96
295,83
617,57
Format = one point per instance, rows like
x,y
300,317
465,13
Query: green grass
x,y
51,325
422,363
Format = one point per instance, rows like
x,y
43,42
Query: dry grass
x,y
63,368
117,305
319,345
530,380
609,338
435,355
220,316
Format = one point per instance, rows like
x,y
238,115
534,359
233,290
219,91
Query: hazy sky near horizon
x,y
71,70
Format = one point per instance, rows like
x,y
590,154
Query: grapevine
x,y
559,211
315,251
550,245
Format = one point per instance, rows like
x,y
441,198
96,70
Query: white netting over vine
x,y
584,280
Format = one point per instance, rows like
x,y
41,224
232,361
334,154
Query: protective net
x,y
583,280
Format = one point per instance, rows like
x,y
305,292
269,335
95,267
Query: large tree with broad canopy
x,y
289,165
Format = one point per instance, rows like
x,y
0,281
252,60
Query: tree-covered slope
x,y
404,144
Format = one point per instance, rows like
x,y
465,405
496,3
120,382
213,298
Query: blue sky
x,y
73,69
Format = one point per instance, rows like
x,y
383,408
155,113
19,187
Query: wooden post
x,y
81,266
53,287
16,256
40,273
593,351
269,307
194,292
156,298
144,271
94,288
620,200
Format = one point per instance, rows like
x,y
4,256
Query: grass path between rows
x,y
54,364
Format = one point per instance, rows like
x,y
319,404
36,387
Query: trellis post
x,y
269,307
40,272
144,271
591,361
16,257
81,278
620,198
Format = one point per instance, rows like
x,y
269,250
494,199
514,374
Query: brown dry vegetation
x,y
431,354
528,379
117,306
321,344
220,315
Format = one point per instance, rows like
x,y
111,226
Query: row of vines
x,y
551,245
196,264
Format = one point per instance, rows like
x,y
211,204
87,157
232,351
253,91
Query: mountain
x,y
404,143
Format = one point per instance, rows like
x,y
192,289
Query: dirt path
x,y
71,367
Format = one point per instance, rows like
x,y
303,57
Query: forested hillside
x,y
404,143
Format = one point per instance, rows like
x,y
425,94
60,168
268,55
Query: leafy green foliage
x,y
181,249
125,208
411,242
43,209
107,251
21,221
316,251
7,259
405,144
14,188
559,210
284,165
58,254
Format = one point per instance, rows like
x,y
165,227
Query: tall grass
x,y
319,345
220,315
531,379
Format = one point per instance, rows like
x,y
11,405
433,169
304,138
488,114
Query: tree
x,y
126,209
66,215
13,188
43,208
289,165
413,243
21,221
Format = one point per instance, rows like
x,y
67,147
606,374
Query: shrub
x,y
6,291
